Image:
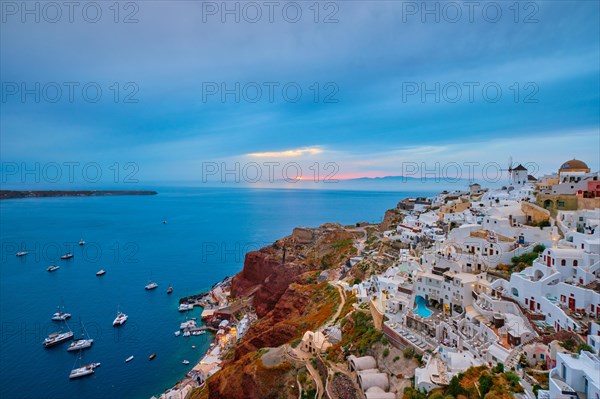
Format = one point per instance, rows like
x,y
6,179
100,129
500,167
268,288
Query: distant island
x,y
15,194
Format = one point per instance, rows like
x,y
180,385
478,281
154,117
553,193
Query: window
x,y
563,262
575,262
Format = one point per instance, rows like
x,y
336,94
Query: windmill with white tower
x,y
518,175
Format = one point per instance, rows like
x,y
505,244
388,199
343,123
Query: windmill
x,y
510,169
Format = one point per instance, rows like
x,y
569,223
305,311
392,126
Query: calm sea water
x,y
207,234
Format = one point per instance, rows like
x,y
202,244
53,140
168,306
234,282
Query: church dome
x,y
573,164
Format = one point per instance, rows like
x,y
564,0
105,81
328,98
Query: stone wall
x,y
534,213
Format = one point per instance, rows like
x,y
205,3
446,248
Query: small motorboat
x,y
186,362
53,268
193,346
169,290
152,285
130,358
185,307
152,356
81,242
177,333
187,324
101,272
22,253
66,256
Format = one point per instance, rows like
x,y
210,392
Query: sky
x,y
192,91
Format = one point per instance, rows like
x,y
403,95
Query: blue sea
x,y
207,233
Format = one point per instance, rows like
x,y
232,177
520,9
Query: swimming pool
x,y
422,309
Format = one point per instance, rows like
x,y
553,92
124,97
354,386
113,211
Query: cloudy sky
x,y
368,86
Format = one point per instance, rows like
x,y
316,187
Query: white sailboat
x,y
83,343
61,315
120,319
82,371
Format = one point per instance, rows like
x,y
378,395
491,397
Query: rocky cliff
x,y
283,280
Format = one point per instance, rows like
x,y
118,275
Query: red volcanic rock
x,y
276,328
266,276
258,266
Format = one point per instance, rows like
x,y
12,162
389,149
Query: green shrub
x,y
585,347
527,258
485,384
512,378
543,223
386,352
454,387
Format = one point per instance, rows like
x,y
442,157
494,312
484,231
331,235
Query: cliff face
x,y
267,273
390,220
250,379
266,276
288,301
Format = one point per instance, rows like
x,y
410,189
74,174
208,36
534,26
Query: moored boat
x,y
61,315
83,371
101,272
187,324
186,362
169,290
152,356
130,358
120,319
82,343
185,307
57,338
66,256
22,253
152,285
52,268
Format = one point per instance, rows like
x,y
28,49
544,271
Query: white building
x,y
518,176
575,376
